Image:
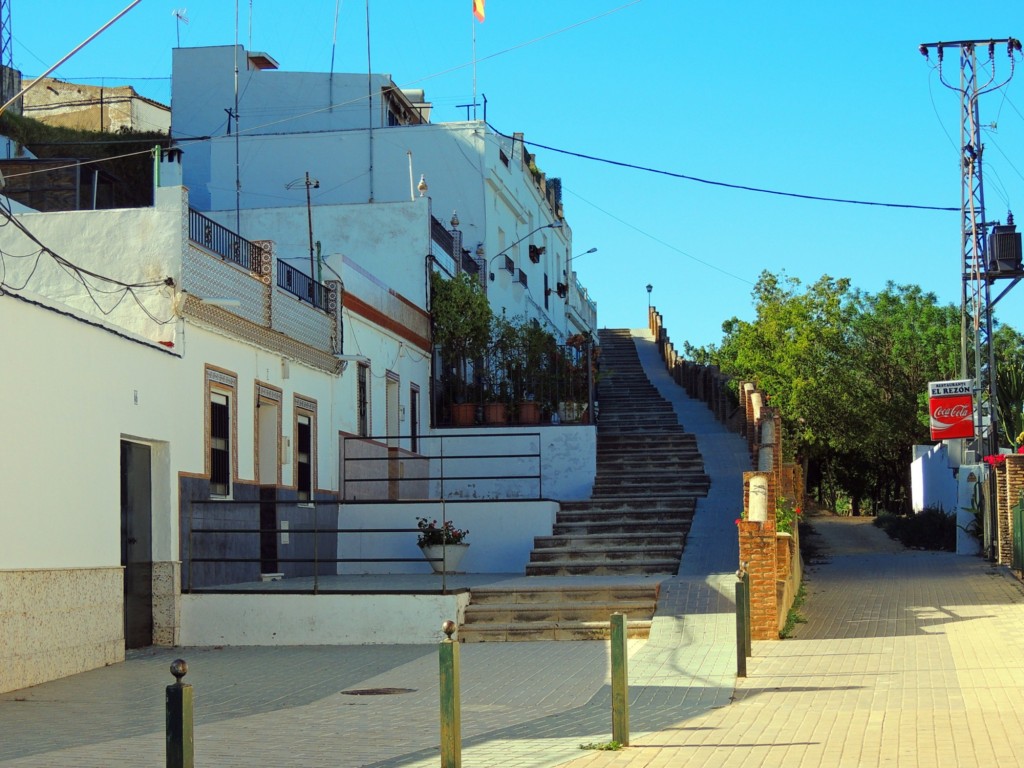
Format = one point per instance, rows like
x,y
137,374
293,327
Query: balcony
x,y
302,285
222,241
230,285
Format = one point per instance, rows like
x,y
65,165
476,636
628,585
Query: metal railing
x,y
558,390
229,245
488,465
231,547
301,285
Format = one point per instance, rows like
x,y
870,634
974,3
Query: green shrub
x,y
931,528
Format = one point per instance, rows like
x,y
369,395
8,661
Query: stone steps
x,y
561,613
649,477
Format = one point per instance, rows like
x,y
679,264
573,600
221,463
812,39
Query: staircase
x,y
649,477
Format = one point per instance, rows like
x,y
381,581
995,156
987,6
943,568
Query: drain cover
x,y
378,691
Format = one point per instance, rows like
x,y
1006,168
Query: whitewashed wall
x,y
318,620
500,534
933,479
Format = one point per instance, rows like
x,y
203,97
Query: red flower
x,y
998,458
739,520
798,511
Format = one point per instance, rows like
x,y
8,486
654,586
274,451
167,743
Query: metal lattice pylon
x,y
6,52
977,359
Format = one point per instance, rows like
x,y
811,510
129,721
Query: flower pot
x,y
495,413
444,558
463,414
529,413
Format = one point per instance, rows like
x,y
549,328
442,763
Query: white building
x,y
170,377
362,149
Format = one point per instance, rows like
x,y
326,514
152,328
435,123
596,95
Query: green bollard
x,y
620,681
451,709
741,628
746,608
180,742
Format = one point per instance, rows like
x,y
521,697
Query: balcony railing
x,y
222,241
301,285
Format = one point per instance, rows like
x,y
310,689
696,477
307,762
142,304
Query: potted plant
x,y
504,351
441,543
461,325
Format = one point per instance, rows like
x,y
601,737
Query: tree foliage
x,y
848,372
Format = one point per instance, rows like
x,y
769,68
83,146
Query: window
x,y
221,429
363,399
304,458
220,444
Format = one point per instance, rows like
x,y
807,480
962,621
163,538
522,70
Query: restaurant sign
x,y
951,409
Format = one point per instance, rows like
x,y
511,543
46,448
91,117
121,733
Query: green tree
x,y
848,372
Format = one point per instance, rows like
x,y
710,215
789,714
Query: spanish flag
x,y
478,10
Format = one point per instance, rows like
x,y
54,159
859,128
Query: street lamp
x,y
314,184
553,225
649,289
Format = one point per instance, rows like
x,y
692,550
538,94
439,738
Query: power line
x,y
727,185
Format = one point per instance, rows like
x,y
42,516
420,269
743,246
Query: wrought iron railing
x,y
302,285
559,389
229,245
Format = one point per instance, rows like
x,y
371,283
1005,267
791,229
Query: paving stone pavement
x,y
906,658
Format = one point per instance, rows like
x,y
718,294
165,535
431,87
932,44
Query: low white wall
x,y
317,619
932,479
500,534
968,477
568,460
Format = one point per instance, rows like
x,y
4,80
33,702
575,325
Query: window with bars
x,y
363,399
220,445
304,458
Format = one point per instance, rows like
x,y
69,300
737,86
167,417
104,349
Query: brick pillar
x,y
758,548
1014,474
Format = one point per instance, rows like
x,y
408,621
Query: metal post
x,y
746,607
741,629
620,681
180,742
451,710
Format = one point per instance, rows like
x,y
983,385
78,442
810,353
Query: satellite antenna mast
x,y
181,14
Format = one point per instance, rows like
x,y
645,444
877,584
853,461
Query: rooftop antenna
x,y
181,14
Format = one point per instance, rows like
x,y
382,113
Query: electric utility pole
x,y
977,359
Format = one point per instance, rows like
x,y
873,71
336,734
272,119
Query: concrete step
x,y
533,631
571,567
606,555
610,541
518,613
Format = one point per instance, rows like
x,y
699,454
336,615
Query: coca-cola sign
x,y
951,409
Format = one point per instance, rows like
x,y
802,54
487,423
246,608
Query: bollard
x,y
746,606
180,743
451,710
620,681
741,626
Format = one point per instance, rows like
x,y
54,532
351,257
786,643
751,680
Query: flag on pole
x,y
478,10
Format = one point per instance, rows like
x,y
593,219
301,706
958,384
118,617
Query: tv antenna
x,y
181,14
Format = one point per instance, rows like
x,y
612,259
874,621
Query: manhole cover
x,y
378,691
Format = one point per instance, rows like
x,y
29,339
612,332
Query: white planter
x,y
444,558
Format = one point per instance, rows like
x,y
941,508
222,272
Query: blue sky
x,y
829,99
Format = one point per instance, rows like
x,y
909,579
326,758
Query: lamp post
x,y
552,225
649,289
310,184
